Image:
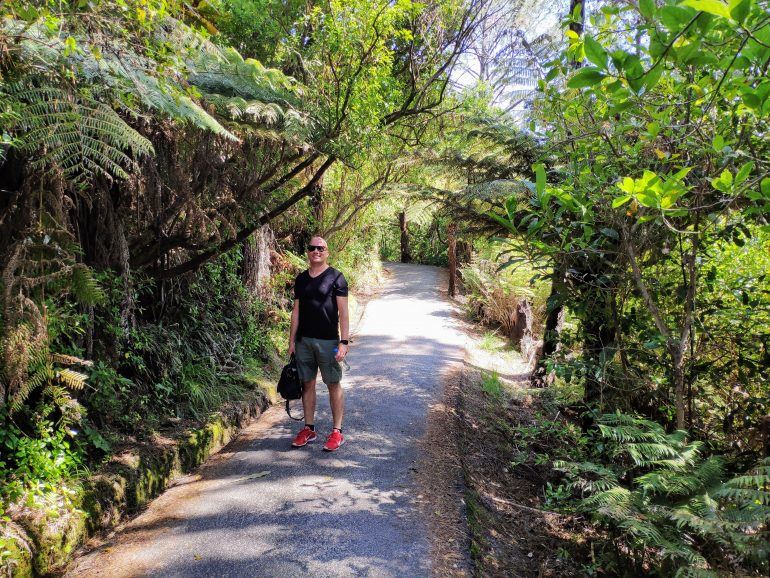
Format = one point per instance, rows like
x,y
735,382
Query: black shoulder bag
x,y
290,385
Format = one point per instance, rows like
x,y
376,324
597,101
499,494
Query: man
x,y
320,306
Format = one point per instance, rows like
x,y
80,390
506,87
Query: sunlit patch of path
x,y
263,509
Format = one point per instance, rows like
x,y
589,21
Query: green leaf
x,y
627,185
647,200
674,17
718,142
744,172
27,13
647,8
585,77
595,52
611,233
739,9
634,72
620,201
510,207
764,187
502,222
539,178
70,46
751,99
714,7
681,173
653,75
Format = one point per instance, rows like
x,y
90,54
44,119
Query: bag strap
x,y
288,412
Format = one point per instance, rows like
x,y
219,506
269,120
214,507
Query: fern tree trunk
x,y
406,257
452,256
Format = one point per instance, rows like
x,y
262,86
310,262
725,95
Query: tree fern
x,y
227,73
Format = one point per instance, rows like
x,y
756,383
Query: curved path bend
x,y
262,509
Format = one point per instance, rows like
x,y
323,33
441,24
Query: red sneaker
x,y
334,441
304,437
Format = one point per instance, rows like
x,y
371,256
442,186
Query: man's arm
x,y
342,307
294,325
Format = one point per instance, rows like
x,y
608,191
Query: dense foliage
x,y
640,190
158,157
650,205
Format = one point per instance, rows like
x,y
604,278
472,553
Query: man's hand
x,y
291,349
342,351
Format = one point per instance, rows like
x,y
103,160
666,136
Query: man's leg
x,y
308,401
337,401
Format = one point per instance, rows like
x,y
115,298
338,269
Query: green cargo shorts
x,y
312,354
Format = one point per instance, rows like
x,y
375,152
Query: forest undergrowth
x,y
509,435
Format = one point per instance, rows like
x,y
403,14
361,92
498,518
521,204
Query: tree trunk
x,y
464,252
677,360
405,256
256,261
315,199
577,26
553,325
452,256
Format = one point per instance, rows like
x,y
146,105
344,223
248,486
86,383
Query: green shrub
x,y
38,458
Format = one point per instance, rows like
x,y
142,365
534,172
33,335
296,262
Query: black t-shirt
x,y
318,314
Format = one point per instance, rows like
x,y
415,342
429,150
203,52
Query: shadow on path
x,y
263,508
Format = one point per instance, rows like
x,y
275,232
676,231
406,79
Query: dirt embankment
x,y
485,472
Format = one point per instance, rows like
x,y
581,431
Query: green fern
x,y
227,73
75,134
84,287
672,507
55,382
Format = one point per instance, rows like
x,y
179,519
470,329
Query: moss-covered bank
x,y
39,535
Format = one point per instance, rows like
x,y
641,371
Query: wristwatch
x,y
344,341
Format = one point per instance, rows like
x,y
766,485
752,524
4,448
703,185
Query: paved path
x,y
262,509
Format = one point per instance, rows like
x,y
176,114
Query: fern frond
x,y
84,286
227,73
616,500
645,454
63,359
36,380
75,133
170,100
237,108
72,379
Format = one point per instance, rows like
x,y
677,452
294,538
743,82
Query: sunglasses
x,y
319,248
